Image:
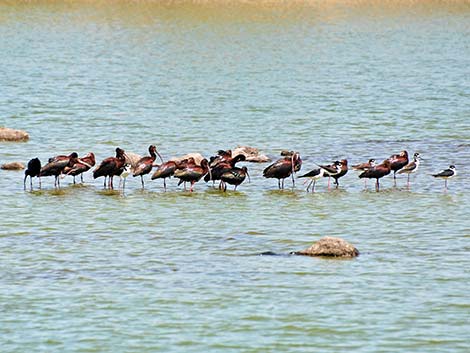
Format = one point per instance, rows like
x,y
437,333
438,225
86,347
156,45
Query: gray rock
x,y
11,135
251,153
331,247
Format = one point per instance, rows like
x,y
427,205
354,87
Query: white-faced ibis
x,y
446,174
234,176
110,167
379,171
411,167
145,164
81,166
397,162
313,175
33,170
56,166
192,173
331,170
167,169
283,168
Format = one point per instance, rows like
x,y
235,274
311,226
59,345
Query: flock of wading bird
x,y
221,167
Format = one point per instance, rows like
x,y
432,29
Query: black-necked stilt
x,y
313,175
331,170
446,174
411,167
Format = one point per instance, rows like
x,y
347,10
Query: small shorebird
x,y
331,170
126,171
446,174
145,164
313,175
397,162
411,167
377,172
110,167
283,168
33,170
57,165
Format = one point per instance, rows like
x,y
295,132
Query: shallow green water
x,y
84,269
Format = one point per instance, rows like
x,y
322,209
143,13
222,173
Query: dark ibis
x,y
56,166
192,173
283,168
379,171
33,170
145,164
397,162
167,169
234,176
223,166
110,167
361,167
81,166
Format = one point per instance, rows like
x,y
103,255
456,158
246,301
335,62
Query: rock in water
x,y
7,134
331,247
251,154
13,166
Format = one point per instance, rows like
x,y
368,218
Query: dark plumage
x,y
110,167
234,176
377,172
192,173
313,175
446,174
283,168
81,166
397,162
33,170
167,169
145,164
223,166
56,166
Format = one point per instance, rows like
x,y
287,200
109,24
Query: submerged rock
x,y
7,134
251,154
13,166
197,158
331,247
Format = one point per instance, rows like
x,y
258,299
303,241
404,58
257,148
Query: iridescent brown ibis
x,y
397,162
331,170
110,167
33,170
313,175
192,173
167,169
379,171
145,164
81,166
283,168
56,166
223,166
446,174
361,167
234,176
411,167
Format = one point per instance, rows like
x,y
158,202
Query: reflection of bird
x,y
57,165
283,168
33,170
192,173
379,171
446,174
398,161
145,164
110,167
234,176
81,166
313,175
411,167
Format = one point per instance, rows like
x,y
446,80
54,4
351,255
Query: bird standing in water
x,y
397,162
283,168
377,172
56,166
411,167
446,174
145,164
110,167
33,170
